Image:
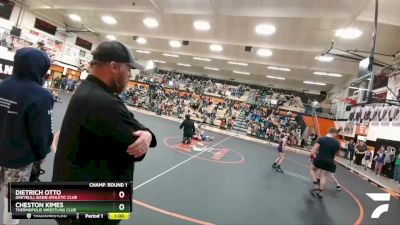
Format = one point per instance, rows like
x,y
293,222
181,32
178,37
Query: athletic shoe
x,y
338,188
316,193
279,169
274,165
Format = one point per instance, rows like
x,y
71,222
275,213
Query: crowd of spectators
x,y
262,122
269,124
198,85
178,104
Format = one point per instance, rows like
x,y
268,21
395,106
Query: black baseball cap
x,y
115,51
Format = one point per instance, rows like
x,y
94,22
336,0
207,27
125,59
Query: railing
x,y
316,124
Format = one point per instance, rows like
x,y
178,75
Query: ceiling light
x,y
328,74
158,61
109,19
150,22
240,72
278,68
324,58
183,64
201,25
314,83
277,78
216,48
265,29
170,55
75,17
348,33
211,68
175,44
264,52
141,40
237,63
201,59
143,51
111,37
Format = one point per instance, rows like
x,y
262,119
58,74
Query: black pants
x,y
358,159
351,157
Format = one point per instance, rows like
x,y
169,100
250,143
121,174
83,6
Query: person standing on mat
x,y
281,147
360,151
100,139
379,160
396,176
26,129
188,129
323,153
350,149
367,159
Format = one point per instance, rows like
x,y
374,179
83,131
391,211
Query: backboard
x,y
359,89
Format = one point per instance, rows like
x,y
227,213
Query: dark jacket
x,y
25,111
95,135
188,128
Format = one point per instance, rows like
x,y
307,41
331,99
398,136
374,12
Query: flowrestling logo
x,y
379,197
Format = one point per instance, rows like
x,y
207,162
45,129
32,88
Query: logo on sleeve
x,y
50,113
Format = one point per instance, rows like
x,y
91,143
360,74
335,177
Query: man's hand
x,y
141,145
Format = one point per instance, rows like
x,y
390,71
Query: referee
x,y
323,153
100,140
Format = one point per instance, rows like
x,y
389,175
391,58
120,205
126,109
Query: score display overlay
x,y
70,200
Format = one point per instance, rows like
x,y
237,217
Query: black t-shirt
x,y
327,148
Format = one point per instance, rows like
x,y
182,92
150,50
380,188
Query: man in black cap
x,y
100,140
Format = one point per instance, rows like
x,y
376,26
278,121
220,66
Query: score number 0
x,y
121,194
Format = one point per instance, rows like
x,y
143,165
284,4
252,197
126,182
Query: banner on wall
x,y
376,130
6,68
6,8
394,85
349,129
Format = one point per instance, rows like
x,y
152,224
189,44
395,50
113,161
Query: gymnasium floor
x,y
231,182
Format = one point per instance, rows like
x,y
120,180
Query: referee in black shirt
x,y
323,155
100,140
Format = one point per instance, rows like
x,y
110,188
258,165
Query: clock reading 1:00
x,y
45,26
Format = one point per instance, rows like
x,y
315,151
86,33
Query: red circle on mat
x,y
174,142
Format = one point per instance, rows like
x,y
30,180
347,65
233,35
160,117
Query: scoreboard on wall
x,y
70,200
